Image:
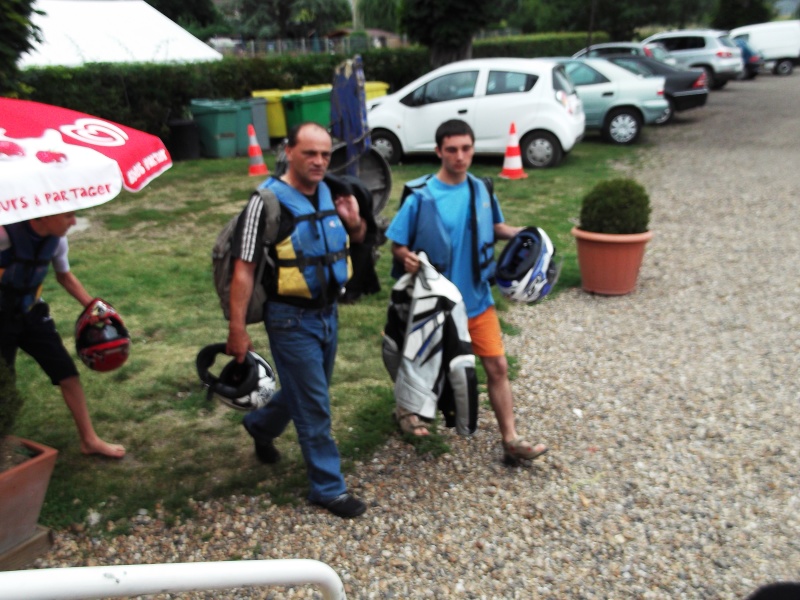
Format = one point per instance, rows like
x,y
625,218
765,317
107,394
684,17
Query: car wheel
x,y
623,126
388,145
711,81
540,150
783,67
667,115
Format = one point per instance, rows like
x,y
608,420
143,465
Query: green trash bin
x,y
244,117
217,121
311,105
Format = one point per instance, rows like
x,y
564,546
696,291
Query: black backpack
x,y
222,261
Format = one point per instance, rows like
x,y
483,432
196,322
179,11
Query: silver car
x,y
615,101
653,50
708,49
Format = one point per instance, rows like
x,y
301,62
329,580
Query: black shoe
x,y
344,505
267,453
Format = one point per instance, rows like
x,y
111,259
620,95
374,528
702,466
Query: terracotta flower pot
x,y
609,263
22,491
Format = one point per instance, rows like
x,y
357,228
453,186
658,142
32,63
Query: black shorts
x,y
35,334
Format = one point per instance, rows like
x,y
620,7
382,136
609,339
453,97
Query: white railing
x,y
84,583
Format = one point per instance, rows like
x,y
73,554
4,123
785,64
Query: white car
x,y
490,94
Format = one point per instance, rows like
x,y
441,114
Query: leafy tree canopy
x,y
448,26
378,14
17,35
266,19
619,18
735,13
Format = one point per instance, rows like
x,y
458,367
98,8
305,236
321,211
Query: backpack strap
x,y
272,215
272,221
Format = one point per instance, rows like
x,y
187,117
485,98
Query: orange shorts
x,y
487,339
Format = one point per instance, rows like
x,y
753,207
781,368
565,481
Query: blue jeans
x,y
303,344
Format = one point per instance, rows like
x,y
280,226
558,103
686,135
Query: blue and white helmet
x,y
527,269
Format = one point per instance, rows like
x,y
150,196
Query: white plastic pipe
x,y
83,583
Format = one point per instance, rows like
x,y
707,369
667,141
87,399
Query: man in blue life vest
x,y
454,218
27,250
311,266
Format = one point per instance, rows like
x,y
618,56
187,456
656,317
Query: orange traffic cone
x,y
257,164
512,163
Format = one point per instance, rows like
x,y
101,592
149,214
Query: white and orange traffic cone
x,y
512,163
257,164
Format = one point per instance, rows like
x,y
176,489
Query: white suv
x,y
489,94
707,49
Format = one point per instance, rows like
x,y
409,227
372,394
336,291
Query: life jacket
x,y
316,252
431,236
23,267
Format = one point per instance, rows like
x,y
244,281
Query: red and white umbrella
x,y
55,160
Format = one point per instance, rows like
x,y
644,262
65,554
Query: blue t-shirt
x,y
453,204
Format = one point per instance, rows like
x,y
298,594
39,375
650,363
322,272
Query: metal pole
x,y
83,583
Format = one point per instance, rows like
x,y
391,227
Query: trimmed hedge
x,y
148,96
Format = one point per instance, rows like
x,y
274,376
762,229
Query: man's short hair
x,y
453,127
291,137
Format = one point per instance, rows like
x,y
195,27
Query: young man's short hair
x,y
451,128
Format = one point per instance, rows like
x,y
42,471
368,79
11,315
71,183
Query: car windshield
x,y
581,74
726,41
633,66
561,82
659,53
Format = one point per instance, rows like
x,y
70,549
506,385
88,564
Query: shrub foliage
x,y
616,206
148,96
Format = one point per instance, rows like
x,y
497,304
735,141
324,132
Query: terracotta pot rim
x,y
619,238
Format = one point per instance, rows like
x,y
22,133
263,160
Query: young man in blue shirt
x,y
453,217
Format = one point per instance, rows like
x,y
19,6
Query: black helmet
x,y
244,386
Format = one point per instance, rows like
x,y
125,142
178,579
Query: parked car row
x,y
614,88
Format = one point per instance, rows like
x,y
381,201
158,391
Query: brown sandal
x,y
519,448
410,423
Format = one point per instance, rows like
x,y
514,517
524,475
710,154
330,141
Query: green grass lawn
x,y
149,255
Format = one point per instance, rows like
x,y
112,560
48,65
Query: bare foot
x,y
103,448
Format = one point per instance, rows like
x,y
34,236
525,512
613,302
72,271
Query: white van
x,y
778,42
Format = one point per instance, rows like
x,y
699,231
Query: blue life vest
x,y
316,252
24,266
432,237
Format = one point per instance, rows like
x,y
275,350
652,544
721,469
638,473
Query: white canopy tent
x,y
75,32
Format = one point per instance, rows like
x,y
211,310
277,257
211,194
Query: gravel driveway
x,y
671,414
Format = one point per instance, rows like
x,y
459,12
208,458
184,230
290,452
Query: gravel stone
x,y
671,415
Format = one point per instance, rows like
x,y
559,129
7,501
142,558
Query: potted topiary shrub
x,y
25,470
611,236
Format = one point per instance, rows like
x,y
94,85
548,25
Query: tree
x,y
17,36
292,18
444,26
619,18
377,14
735,13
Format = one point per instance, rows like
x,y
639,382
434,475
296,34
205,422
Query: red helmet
x,y
101,339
